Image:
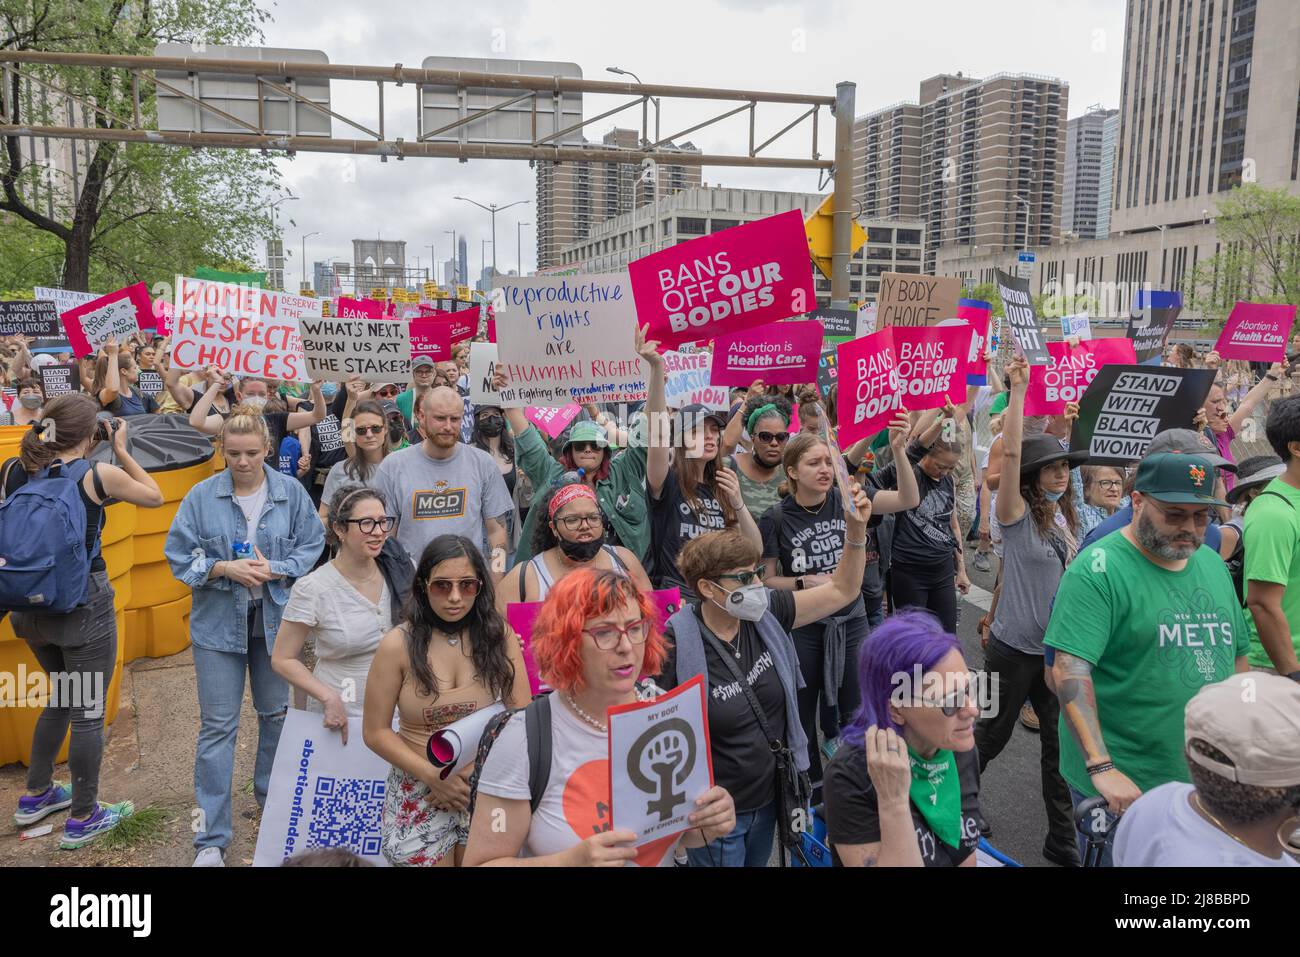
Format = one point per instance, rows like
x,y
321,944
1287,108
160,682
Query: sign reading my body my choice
x,y
736,279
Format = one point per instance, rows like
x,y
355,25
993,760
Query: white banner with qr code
x,y
323,793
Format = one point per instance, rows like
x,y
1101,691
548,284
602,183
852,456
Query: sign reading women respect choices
x,y
28,317
1256,332
736,279
115,317
244,330
1072,369
1019,307
779,353
1126,406
567,339
378,350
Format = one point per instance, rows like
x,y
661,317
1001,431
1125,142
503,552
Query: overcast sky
x,y
803,47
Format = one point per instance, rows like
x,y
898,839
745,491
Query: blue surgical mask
x,y
1053,496
329,390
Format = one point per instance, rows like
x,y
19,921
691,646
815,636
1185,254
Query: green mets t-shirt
x,y
1154,638
1272,543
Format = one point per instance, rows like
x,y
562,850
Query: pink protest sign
x,y
162,316
736,279
522,615
552,421
932,363
780,353
463,323
1256,332
1071,370
870,391
977,314
111,318
430,338
359,308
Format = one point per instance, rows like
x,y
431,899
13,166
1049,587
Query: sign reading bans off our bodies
x,y
240,329
1126,406
378,350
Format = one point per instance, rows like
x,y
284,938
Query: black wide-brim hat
x,y
1039,450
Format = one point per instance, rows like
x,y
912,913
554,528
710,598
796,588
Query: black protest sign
x,y
836,323
1125,407
150,382
1153,317
827,371
57,380
29,317
1019,307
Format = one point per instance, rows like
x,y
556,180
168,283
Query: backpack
x,y
1236,562
44,562
537,728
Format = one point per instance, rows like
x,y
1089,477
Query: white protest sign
x,y
323,793
378,350
114,322
243,330
482,367
567,339
659,762
64,299
1076,325
688,381
866,320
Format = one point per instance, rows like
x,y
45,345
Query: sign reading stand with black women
x,y
1127,406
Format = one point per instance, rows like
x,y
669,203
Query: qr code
x,y
347,812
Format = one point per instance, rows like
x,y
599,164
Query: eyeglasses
x,y
388,393
1199,519
371,429
767,438
443,586
950,705
572,522
368,525
584,447
744,578
1110,485
607,637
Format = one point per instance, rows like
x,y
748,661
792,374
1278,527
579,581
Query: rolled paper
x,y
454,746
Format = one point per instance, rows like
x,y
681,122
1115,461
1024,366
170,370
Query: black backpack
x,y
1236,562
537,727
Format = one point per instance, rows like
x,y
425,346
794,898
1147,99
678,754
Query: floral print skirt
x,y
415,833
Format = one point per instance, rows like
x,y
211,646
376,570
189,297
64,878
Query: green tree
x,y
1259,259
139,211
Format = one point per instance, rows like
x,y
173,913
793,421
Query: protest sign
x,y
29,317
234,278
911,300
464,324
1077,325
780,353
8,396
837,324
430,338
64,299
931,364
872,391
687,381
553,421
1019,307
1126,406
323,793
482,368
347,308
827,370
1071,370
660,762
57,380
1152,319
115,317
150,383
567,339
378,350
977,314
735,279
163,313
240,329
1256,332
866,324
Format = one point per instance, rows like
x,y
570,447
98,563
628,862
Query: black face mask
x,y
492,426
396,431
581,551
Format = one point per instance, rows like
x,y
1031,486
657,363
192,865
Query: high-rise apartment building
x,y
1106,173
572,197
1085,167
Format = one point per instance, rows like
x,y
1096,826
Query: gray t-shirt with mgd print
x,y
433,497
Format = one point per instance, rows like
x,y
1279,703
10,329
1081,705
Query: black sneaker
x,y
1062,858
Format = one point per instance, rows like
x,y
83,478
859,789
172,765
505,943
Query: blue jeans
x,y
1078,797
748,845
220,677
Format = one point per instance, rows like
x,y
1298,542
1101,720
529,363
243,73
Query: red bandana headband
x,y
567,494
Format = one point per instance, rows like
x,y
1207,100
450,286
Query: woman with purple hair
x,y
903,788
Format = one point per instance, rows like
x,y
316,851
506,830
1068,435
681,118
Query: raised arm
x,y
1073,679
656,408
182,393
303,420
1011,504
112,375
200,417
1255,396
907,495
814,604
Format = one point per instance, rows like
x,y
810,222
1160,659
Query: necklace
x,y
453,641
1217,823
357,584
602,728
811,511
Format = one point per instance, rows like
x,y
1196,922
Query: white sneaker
x,y
209,857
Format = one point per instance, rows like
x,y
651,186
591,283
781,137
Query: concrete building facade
x,y
1084,166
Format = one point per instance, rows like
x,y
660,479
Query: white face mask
x,y
748,603
256,401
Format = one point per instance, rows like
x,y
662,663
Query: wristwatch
x,y
798,586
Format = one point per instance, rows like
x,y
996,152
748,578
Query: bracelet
x,y
1101,768
852,544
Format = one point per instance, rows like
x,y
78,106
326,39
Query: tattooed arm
x,y
1073,679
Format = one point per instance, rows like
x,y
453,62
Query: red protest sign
x,y
359,308
736,279
932,364
1071,370
431,338
1256,332
111,318
870,392
780,353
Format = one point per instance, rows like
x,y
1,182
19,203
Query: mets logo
x,y
1198,475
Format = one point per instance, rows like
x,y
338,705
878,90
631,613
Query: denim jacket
x,y
208,523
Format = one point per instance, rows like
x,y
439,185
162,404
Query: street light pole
x,y
653,99
519,244
493,208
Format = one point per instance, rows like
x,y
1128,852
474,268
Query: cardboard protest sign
x,y
780,353
347,308
911,300
660,762
1066,379
58,380
482,368
150,383
735,279
931,364
64,299
323,793
827,370
687,381
1256,332
29,317
1126,406
378,350
1076,325
1152,319
553,421
430,338
1019,307
567,339
241,329
115,317
866,325
837,324
872,391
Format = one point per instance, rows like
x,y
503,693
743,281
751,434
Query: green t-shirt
x,y
1154,638
404,400
1272,548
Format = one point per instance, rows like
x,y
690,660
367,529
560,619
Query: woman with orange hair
x,y
596,633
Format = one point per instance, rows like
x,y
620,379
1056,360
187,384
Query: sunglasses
x,y
368,525
444,586
1199,519
584,447
767,438
607,637
387,393
744,578
371,429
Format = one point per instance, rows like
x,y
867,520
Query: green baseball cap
x,y
587,432
1178,479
